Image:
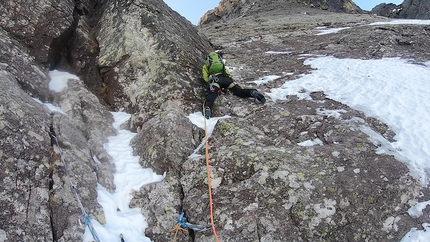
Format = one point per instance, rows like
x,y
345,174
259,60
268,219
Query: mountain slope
x,y
143,58
228,9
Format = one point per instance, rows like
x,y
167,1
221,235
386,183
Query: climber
x,y
219,79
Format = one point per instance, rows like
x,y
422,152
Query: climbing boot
x,y
207,112
259,96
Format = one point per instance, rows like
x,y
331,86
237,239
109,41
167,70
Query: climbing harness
x,y
85,218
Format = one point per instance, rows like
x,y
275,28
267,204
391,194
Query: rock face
x,y
230,9
409,9
141,57
35,189
385,9
134,55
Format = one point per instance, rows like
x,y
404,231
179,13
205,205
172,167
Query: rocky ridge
x,y
408,9
228,9
143,58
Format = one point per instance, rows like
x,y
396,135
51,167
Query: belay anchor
x,y
182,224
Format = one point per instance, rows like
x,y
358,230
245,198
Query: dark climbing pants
x,y
224,82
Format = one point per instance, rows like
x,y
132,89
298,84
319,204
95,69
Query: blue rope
x,y
88,223
181,221
86,219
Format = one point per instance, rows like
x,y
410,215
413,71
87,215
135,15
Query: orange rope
x,y
176,229
209,181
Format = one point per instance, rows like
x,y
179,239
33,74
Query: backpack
x,y
215,64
